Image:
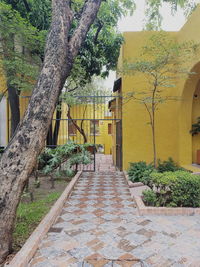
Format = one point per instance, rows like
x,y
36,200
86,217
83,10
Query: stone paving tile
x,y
99,226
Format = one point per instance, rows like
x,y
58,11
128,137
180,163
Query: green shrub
x,y
163,181
138,170
175,189
146,177
149,197
168,165
186,191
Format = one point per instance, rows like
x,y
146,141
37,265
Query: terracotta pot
x,y
91,149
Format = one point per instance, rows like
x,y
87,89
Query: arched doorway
x,y
187,113
195,115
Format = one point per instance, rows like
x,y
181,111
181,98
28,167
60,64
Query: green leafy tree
x,y
153,16
62,47
20,62
162,63
37,12
99,53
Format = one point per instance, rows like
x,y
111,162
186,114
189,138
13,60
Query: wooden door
x,y
119,145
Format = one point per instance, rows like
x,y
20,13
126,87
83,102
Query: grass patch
x,y
29,216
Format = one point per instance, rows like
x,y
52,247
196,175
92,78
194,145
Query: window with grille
x,y
109,128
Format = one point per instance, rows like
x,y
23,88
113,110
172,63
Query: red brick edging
x,y
28,250
144,210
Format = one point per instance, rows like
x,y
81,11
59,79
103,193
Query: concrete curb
x,y
28,250
144,210
126,176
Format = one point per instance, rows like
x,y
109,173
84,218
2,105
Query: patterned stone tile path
x,y
99,226
104,163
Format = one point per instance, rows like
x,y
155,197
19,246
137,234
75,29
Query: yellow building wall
x,y
2,81
137,136
173,119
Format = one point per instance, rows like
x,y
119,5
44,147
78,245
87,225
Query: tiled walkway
x,y
99,226
104,163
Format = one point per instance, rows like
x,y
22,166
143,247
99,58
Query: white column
x,y
3,122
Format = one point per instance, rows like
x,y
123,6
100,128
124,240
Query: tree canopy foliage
x,y
20,45
153,16
103,41
37,12
29,23
22,50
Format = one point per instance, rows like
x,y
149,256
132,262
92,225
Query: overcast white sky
x,y
136,23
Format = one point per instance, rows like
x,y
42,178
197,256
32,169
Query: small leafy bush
x,y
66,155
186,191
139,171
149,197
168,165
174,189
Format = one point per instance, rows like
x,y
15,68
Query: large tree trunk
x,y
20,156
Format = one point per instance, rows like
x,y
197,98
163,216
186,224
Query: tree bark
x,y
21,154
154,143
153,108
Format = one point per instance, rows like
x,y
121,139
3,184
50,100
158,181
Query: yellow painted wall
x,y
2,81
173,119
137,136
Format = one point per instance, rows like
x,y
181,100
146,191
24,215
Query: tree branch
x,y
98,31
150,115
88,16
81,131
